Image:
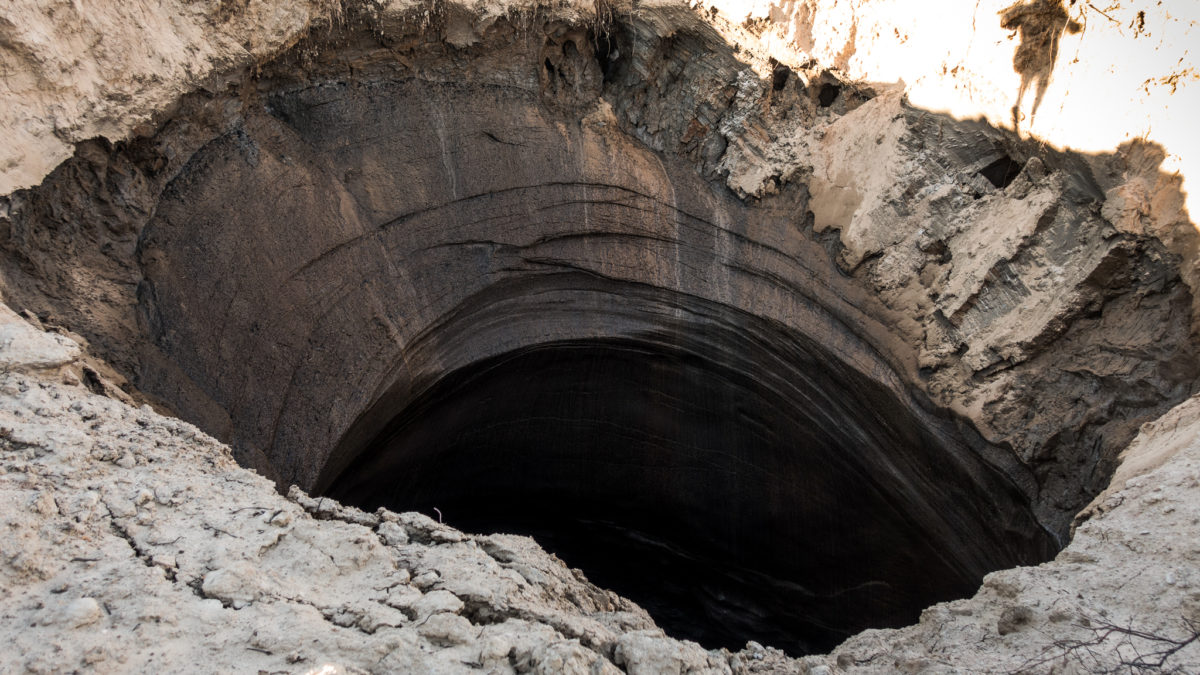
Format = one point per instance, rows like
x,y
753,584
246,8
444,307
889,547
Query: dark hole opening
x,y
91,380
779,77
828,94
1002,172
608,53
760,496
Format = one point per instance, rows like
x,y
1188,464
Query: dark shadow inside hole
x,y
1002,172
755,496
779,77
610,46
828,94
91,380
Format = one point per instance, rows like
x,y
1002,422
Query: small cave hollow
x,y
1002,172
779,77
608,53
827,94
747,494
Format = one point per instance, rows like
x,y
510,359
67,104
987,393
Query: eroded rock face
x,y
946,340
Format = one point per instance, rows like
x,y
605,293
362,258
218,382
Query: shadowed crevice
x,y
737,489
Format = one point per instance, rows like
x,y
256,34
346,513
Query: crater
x,y
513,282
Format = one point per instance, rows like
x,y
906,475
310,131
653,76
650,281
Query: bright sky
x,y
1112,81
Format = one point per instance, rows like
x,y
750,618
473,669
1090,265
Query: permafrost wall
x,y
599,275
